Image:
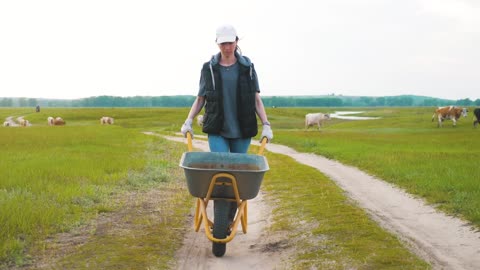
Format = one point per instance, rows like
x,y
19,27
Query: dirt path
x,y
11,122
445,242
245,251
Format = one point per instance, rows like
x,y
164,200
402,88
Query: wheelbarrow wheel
x,y
221,209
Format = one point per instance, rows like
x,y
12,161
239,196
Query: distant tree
x,y
22,102
366,101
32,102
335,102
379,101
6,102
405,101
118,102
464,102
390,101
477,102
399,101
139,101
430,102
346,101
59,103
284,101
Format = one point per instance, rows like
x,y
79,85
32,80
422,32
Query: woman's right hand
x,y
187,127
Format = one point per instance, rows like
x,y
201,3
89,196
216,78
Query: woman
x,y
229,90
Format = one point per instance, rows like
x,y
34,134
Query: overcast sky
x,y
75,49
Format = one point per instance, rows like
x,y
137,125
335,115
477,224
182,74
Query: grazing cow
x,y
200,120
50,121
58,121
106,120
315,119
476,117
24,122
6,124
449,112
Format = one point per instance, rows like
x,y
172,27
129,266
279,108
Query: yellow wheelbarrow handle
x,y
263,143
189,142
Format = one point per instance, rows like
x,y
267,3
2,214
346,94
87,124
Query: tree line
x,y
269,101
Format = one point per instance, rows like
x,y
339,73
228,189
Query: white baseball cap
x,y
226,33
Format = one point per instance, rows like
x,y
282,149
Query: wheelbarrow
x,y
222,178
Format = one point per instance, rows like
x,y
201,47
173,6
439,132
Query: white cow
x,y
200,120
50,121
24,122
106,120
315,119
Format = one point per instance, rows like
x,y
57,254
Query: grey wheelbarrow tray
x,y
223,176
201,167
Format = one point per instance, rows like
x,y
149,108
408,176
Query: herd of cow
x,y
52,121
311,119
441,113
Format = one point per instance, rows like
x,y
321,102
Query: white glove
x,y
187,127
267,132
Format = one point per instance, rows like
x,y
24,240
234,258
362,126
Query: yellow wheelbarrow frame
x,y
221,179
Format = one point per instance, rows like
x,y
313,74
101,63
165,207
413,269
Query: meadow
x,y
56,179
403,147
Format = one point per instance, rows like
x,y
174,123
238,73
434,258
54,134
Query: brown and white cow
x,y
58,121
449,112
315,119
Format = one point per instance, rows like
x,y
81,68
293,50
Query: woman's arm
x,y
196,107
266,129
260,109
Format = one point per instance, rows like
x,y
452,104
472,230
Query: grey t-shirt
x,y
229,75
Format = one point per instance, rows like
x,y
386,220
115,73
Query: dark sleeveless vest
x,y
246,91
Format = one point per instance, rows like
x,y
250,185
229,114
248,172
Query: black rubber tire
x,y
221,209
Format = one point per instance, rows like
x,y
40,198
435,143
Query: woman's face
x,y
227,48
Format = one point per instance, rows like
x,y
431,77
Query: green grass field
x,y
404,147
55,179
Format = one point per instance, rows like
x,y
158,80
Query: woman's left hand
x,y
267,132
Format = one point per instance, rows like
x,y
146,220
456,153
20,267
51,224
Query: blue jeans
x,y
218,143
